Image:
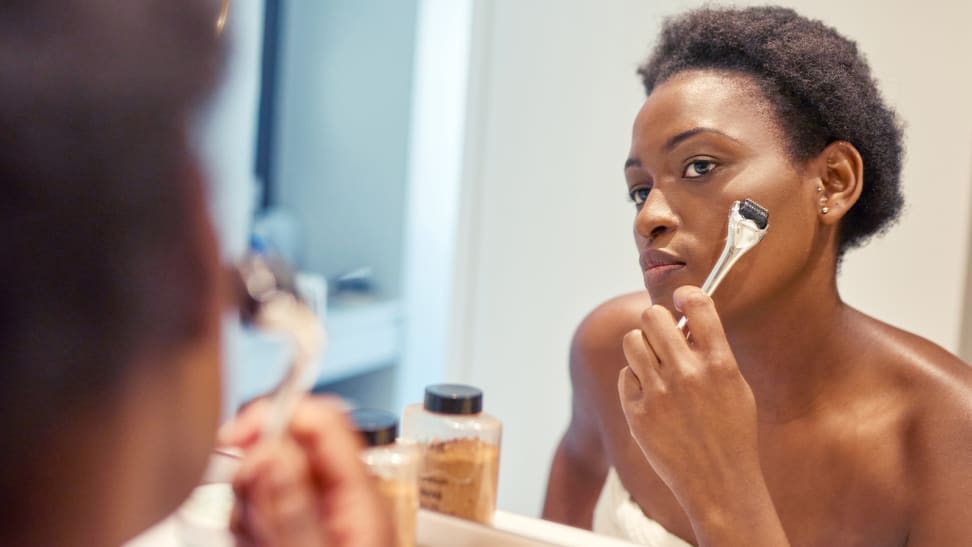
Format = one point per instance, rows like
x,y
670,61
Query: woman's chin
x,y
663,298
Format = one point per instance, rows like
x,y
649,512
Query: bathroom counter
x,y
509,529
435,530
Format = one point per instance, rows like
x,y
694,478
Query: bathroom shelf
x,y
362,337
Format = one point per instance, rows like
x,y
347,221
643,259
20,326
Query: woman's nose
x,y
656,217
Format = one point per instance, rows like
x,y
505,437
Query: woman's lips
x,y
657,274
657,265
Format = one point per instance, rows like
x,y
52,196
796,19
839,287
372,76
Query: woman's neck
x,y
791,349
92,483
68,494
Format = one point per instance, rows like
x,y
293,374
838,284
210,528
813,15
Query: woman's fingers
x,y
309,487
322,427
358,516
665,339
708,335
642,370
319,424
247,426
279,505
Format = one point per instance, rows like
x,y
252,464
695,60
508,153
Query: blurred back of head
x,y
100,265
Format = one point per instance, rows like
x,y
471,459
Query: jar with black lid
x,y
460,444
395,469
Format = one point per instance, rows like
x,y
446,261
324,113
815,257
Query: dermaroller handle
x,y
271,302
747,225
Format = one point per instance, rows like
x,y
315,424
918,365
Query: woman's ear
x,y
841,179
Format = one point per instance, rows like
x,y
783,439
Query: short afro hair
x,y
819,84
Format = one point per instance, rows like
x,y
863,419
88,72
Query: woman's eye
x,y
698,168
639,195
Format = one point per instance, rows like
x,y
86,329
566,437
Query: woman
x,y
112,295
782,416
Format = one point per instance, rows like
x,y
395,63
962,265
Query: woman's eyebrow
x,y
680,138
685,135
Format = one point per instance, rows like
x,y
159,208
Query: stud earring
x,y
822,199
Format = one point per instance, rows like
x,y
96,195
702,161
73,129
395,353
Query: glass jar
x,y
460,445
394,467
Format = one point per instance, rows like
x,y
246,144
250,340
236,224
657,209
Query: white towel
x,y
617,515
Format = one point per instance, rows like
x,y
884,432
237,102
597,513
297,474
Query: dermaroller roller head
x,y
748,222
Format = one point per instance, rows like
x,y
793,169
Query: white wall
x,y
547,229
915,276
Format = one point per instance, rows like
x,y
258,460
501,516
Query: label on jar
x,y
458,477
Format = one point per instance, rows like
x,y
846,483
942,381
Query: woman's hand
x,y
308,487
687,404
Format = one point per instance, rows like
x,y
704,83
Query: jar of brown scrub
x,y
394,467
460,445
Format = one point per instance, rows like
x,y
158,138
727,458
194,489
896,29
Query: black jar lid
x,y
453,399
376,426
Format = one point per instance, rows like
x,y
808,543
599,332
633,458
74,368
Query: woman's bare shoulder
x,y
935,387
938,438
599,334
596,356
933,374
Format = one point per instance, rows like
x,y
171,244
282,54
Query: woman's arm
x,y
580,463
577,474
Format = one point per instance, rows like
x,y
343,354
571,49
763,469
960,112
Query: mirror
x,y
450,171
